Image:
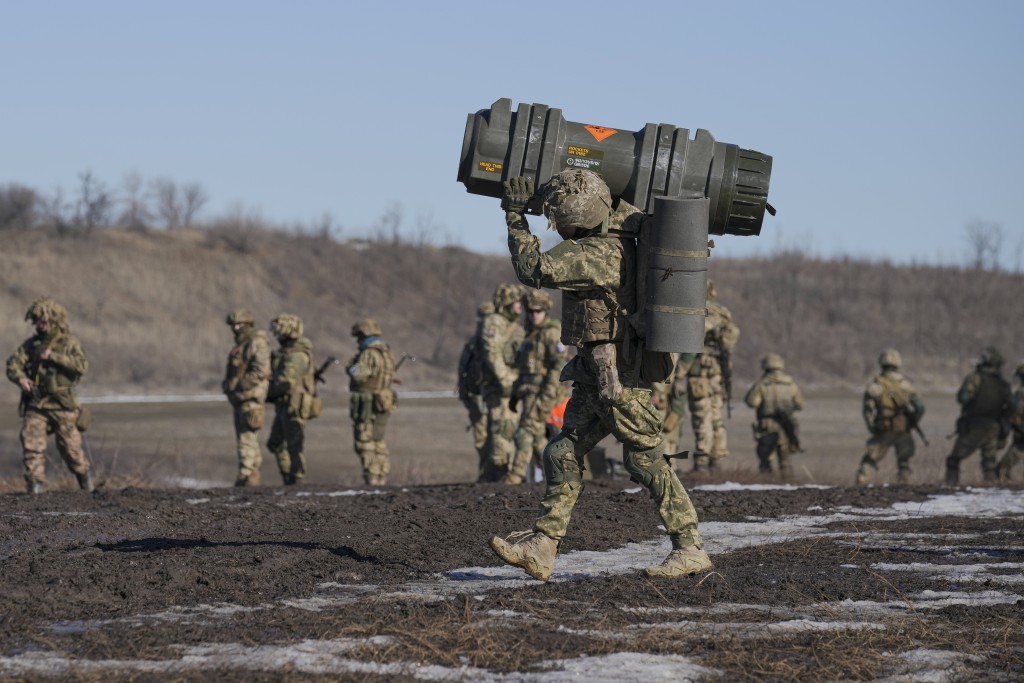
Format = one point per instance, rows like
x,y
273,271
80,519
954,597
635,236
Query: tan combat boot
x,y
683,562
531,550
512,479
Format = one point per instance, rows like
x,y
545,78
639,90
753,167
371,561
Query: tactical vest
x,y
534,358
55,385
598,315
778,395
470,369
378,381
239,357
892,404
991,398
280,357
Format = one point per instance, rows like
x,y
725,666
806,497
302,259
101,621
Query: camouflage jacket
x,y
373,368
774,393
499,341
247,376
720,337
55,378
292,372
985,395
891,404
539,362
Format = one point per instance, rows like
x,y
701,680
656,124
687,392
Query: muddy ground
x,y
326,583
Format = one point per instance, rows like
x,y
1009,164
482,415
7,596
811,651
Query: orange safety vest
x,y
557,416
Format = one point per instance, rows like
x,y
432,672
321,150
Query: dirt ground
x,y
330,582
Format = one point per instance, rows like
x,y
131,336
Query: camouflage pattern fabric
x,y
888,399
980,435
877,446
246,380
706,388
34,427
597,272
291,391
537,390
372,399
986,402
500,337
1016,450
773,395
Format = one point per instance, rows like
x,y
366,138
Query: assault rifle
x,y
791,429
725,360
318,375
405,356
912,423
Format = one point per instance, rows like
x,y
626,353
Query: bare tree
x,y
168,203
18,206
193,199
94,203
135,214
985,241
57,212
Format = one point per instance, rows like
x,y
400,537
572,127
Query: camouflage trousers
x,y
286,442
248,422
478,428
708,420
672,430
531,434
771,440
34,428
368,433
980,435
635,423
877,446
501,427
1013,455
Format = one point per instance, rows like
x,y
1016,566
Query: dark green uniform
x,y
985,408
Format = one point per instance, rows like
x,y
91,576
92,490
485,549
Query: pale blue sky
x,y
892,124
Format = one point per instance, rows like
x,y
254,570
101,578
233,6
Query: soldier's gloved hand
x,y
518,193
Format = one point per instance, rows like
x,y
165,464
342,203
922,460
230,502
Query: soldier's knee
x,y
560,465
645,466
523,439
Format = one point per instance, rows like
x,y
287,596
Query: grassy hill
x,y
149,306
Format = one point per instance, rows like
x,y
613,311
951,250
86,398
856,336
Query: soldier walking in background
x,y
985,400
537,389
371,373
775,398
245,384
470,374
500,337
293,393
891,409
709,385
595,267
1016,450
670,398
47,367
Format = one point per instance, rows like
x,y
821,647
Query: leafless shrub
x,y
18,206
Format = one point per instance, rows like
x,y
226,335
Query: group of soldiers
x,y
48,366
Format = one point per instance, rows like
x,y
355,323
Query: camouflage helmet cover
x,y
45,309
890,358
241,316
485,309
576,198
367,327
990,356
506,294
772,361
537,299
286,326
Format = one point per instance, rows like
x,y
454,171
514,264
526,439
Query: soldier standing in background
x,y
245,384
709,385
1016,449
371,373
47,367
595,267
775,397
670,398
470,374
292,391
500,336
985,400
537,389
891,409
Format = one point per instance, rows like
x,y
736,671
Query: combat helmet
x,y
890,358
484,310
45,309
772,361
506,294
241,316
367,327
286,326
990,356
537,299
576,198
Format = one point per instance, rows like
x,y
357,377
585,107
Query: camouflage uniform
x,y
1016,450
891,407
47,367
537,389
706,391
500,336
470,373
293,393
985,400
245,383
597,276
775,397
371,373
670,398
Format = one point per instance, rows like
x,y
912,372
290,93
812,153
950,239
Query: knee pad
x,y
644,466
560,466
523,440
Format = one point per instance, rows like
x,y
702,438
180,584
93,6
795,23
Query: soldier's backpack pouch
x,y
254,413
84,419
384,401
310,406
